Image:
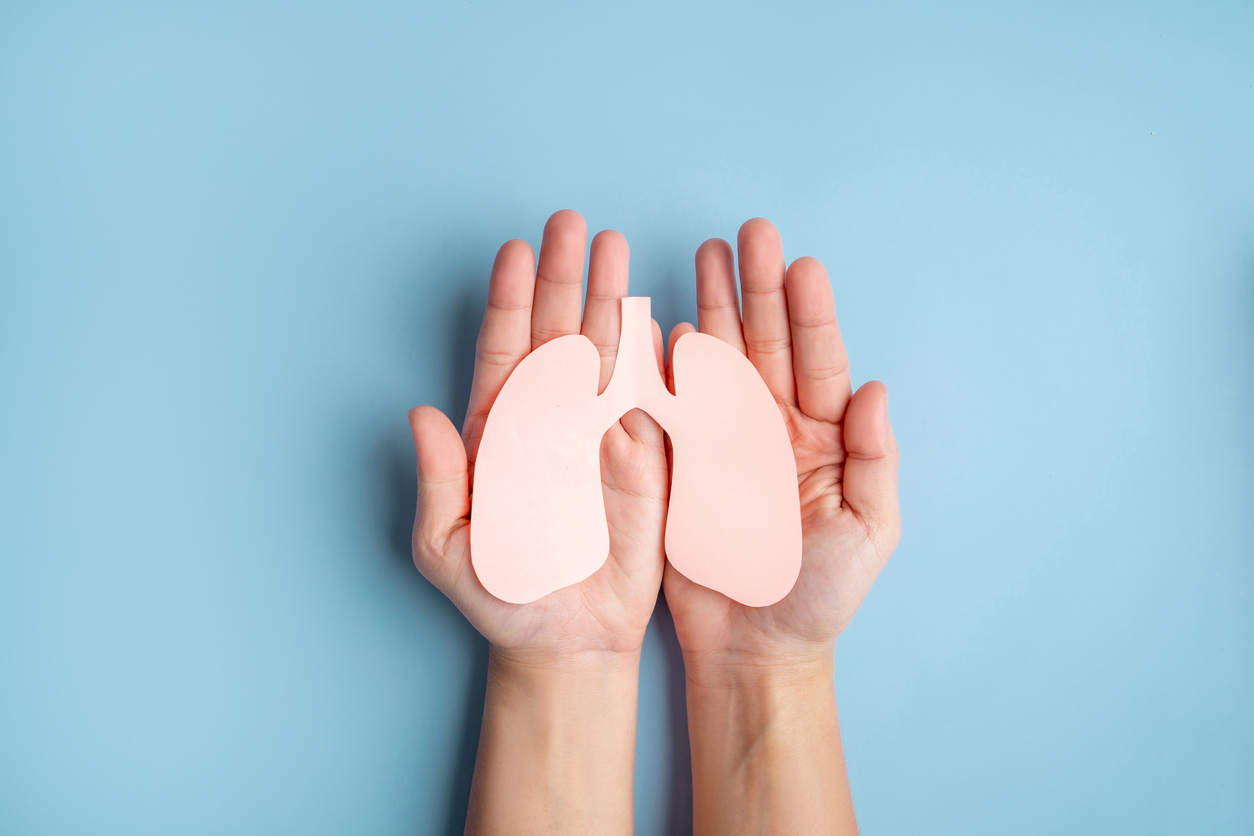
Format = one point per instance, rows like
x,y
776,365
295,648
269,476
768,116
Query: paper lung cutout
x,y
538,517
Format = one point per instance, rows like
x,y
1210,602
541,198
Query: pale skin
x,y
557,745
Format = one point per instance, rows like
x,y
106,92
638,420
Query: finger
x,y
607,285
820,363
504,337
634,487
870,478
559,278
767,340
718,308
443,494
676,332
642,429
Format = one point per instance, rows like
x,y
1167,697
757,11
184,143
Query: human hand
x,y
559,724
843,443
605,615
762,720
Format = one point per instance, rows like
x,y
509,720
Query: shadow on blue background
x,y
396,465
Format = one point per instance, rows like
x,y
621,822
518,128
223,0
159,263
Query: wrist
x,y
760,697
532,664
558,743
585,700
779,669
765,742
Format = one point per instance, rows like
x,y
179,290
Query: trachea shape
x,y
538,520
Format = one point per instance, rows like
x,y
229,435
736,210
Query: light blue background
x,y
238,241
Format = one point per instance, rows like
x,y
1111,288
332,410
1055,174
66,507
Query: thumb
x,y
870,479
443,493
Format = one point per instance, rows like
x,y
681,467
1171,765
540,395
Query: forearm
x,y
766,750
556,751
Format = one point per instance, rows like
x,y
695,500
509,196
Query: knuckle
x,y
820,374
768,345
497,357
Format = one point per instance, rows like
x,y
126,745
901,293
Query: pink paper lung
x,y
538,520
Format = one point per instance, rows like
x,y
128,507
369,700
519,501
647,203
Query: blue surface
x,y
237,241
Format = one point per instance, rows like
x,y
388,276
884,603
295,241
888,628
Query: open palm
x,y
843,443
528,305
